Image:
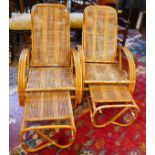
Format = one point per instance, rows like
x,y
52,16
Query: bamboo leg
x,y
108,122
113,120
50,141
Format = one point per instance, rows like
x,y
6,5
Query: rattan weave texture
x,y
109,93
100,34
50,78
104,73
50,36
47,106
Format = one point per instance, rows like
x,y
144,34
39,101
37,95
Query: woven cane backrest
x,y
100,34
50,35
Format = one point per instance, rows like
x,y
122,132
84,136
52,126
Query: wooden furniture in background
x,y
50,76
103,63
122,22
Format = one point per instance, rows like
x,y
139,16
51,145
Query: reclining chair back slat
x,y
50,35
100,34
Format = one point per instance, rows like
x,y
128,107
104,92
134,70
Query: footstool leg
x,y
48,139
113,120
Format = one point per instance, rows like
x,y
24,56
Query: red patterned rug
x,y
110,140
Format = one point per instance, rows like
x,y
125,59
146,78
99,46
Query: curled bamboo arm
x,y
78,76
23,67
82,61
131,64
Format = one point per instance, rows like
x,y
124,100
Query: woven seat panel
x,y
104,73
50,35
47,105
100,34
110,93
50,78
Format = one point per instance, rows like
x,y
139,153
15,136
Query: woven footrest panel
x,y
50,78
47,105
109,93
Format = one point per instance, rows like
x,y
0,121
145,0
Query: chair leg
x,y
114,119
94,110
134,116
48,140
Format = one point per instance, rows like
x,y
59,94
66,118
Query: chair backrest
x,y
99,39
50,35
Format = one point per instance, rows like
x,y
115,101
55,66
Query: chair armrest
x,y
78,76
23,69
82,61
131,66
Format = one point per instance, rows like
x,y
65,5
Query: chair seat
x,y
110,93
104,73
54,78
47,106
20,21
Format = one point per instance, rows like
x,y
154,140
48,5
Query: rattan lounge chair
x,y
49,77
109,82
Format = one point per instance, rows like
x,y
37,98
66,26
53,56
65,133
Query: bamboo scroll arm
x,y
82,61
23,69
131,66
78,76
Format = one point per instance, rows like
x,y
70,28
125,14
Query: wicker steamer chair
x,y
105,76
49,77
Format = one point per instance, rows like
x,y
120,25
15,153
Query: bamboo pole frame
x,y
124,107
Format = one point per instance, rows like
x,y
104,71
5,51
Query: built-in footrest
x,y
47,111
112,97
